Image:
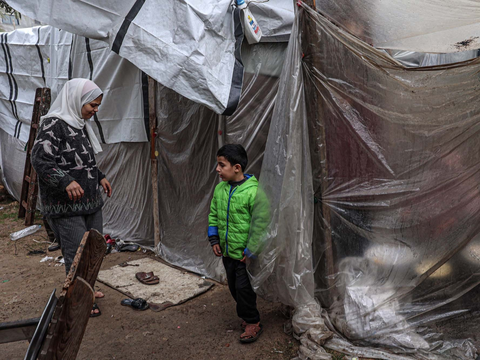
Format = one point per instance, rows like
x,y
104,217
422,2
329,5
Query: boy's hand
x,y
216,250
244,257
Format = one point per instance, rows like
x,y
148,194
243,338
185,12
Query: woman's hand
x,y
106,186
74,191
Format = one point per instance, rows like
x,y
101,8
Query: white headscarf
x,y
68,106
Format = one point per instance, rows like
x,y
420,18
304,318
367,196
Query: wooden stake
x,y
152,116
28,196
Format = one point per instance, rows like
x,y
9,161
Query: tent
x,y
365,146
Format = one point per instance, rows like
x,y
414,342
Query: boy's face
x,y
227,171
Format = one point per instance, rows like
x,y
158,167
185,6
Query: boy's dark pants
x,y
242,292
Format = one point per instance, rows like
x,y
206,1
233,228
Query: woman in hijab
x,y
64,158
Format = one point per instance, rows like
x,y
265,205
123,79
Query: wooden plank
x,y
32,199
18,330
73,311
24,204
89,257
27,179
152,116
71,322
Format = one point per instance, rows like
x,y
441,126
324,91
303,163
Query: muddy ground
x,y
205,327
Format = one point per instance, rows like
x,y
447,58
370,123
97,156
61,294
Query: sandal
x,y
137,304
95,314
129,247
243,325
147,278
252,332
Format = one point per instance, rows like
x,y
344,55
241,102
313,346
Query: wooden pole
x,y
152,117
28,196
316,114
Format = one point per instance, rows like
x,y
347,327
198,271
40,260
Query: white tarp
x,y
48,57
28,61
191,46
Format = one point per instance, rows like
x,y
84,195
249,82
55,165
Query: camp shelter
x,y
366,153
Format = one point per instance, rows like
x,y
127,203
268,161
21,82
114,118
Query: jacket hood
x,y
251,181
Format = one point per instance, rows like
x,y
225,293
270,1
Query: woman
x,y
64,158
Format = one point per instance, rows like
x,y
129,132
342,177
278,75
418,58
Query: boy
x,y
229,225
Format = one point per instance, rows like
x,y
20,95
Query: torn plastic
x,y
372,170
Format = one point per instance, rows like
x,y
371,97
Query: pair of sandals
x,y
251,332
147,278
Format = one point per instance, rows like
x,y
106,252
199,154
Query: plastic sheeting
x,y
188,46
12,163
45,57
430,26
128,214
29,58
188,139
415,59
372,172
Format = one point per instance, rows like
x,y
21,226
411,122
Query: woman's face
x,y
89,109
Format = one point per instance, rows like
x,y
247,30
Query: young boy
x,y
228,229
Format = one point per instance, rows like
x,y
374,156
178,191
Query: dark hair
x,y
235,154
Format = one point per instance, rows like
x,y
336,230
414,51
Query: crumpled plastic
x,y
372,169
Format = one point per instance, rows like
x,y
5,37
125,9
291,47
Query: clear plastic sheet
x,y
416,59
249,125
372,170
188,140
431,26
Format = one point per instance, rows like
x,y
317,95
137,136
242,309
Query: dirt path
x,y
205,327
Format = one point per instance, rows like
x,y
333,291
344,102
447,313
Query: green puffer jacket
x,y
231,214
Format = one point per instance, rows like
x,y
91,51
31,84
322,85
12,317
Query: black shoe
x,y
54,247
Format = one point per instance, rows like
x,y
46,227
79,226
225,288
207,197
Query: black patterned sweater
x,y
60,155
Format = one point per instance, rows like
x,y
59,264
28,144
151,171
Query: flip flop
x,y
129,247
95,307
137,304
147,278
253,331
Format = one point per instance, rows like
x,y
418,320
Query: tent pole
x,y
152,118
315,112
221,131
